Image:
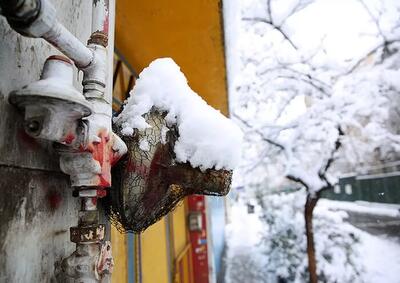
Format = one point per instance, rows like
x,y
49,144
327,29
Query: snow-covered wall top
x,y
207,138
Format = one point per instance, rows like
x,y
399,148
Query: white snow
x,y
144,145
381,258
207,138
381,209
164,131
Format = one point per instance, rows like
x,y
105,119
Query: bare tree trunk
x,y
308,215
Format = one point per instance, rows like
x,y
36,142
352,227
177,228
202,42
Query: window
x,y
348,189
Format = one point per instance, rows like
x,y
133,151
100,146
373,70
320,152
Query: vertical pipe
x,y
101,15
131,257
111,35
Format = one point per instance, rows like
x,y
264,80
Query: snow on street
x,y
378,219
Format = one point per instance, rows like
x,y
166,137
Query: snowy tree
x,y
283,242
309,115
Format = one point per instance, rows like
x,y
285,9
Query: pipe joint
x,y
95,75
31,18
20,13
89,263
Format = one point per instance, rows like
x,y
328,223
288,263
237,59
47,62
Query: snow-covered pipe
x,y
37,18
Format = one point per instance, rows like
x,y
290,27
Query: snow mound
x,y
207,138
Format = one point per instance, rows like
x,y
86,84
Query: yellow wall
x,y
190,32
119,250
155,254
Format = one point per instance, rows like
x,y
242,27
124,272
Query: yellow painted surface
x,y
155,254
179,228
190,32
182,249
119,249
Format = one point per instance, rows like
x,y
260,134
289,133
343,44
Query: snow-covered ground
x,y
383,209
379,256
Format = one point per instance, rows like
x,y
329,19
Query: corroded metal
x,y
89,263
87,234
105,264
98,38
92,260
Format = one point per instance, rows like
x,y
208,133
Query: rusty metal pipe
x,y
37,18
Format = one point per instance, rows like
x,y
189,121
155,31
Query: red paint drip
x,y
106,23
101,193
102,152
69,139
141,169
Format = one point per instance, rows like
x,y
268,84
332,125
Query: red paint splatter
x,y
69,138
101,193
141,169
54,200
102,152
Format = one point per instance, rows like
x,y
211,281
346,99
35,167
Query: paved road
x,y
376,224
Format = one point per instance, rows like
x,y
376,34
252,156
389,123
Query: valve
x,y
53,108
